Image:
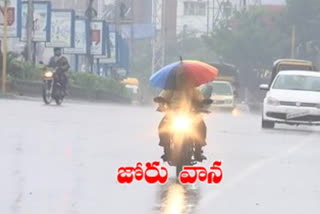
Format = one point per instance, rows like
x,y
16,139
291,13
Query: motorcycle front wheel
x,y
59,95
46,94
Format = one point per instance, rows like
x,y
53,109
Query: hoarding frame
x,y
107,59
104,29
72,29
17,31
73,51
48,27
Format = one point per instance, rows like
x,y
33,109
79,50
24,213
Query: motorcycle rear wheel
x,y
178,170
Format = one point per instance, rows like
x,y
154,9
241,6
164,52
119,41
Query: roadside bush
x,y
92,81
21,70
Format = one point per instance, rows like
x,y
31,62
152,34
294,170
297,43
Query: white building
x,y
194,16
198,16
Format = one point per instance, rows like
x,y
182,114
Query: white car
x,y
221,94
293,98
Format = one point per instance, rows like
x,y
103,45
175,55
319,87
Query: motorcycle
x,y
52,89
181,126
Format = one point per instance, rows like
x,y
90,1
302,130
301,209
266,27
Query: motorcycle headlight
x,y
273,101
182,123
48,74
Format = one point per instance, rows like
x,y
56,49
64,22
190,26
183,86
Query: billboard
x,y
41,21
112,49
98,30
81,38
62,29
14,18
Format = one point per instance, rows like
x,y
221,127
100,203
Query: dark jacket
x,y
61,63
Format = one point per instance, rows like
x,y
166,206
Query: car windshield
x,y
297,82
221,89
295,67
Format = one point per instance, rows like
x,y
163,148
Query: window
x,y
297,82
221,89
192,8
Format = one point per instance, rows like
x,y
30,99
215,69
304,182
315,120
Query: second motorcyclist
x,y
61,64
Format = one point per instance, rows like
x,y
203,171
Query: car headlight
x,y
273,101
182,124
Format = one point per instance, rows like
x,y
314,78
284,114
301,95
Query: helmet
x,y
56,49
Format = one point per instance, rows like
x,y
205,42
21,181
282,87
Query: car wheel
x,y
267,124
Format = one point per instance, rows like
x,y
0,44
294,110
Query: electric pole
x,y
117,17
5,47
208,17
90,14
29,31
158,49
293,41
132,36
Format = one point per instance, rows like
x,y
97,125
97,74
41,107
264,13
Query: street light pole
x,y
90,13
293,41
29,31
5,47
132,35
208,16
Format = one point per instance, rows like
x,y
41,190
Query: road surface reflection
x,y
174,198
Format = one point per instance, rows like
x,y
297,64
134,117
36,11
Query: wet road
x,y
64,160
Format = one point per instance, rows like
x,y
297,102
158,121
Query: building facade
x,y
194,16
200,16
79,6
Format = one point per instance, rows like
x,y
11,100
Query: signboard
x,y
62,29
98,30
124,13
81,38
41,21
112,46
14,19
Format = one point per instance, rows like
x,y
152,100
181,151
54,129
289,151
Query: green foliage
x,y
190,47
22,70
305,15
92,81
26,71
255,39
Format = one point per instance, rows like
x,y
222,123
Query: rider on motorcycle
x,y
183,97
61,64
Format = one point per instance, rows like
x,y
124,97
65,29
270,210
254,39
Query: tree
x,y
252,40
189,46
305,16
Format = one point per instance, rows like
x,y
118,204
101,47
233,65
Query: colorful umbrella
x,y
197,72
